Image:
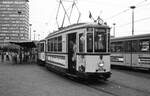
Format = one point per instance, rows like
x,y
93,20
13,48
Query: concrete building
x,y
14,21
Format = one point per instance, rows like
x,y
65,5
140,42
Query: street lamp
x,y
38,36
20,53
132,7
19,13
34,34
114,28
30,30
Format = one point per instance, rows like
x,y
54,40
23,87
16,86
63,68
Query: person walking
x,y
2,57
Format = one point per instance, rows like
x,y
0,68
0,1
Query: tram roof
x,y
135,37
78,26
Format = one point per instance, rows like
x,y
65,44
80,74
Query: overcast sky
x,y
43,15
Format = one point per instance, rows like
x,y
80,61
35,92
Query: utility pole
x,y
132,7
34,34
114,29
38,36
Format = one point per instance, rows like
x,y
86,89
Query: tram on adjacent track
x,y
131,51
81,50
41,52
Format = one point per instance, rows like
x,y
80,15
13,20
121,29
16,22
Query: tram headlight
x,y
101,64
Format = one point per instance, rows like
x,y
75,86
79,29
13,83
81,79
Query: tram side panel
x,y
128,59
117,59
58,61
134,60
143,60
122,59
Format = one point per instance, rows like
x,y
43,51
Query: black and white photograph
x,y
74,48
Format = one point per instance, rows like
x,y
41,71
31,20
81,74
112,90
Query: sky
x,y
42,15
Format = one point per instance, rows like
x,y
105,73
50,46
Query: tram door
x,y
72,53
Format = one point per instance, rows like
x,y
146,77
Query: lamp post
x,y
30,30
19,13
34,34
38,36
20,53
114,28
132,7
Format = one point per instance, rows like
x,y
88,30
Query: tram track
x,y
102,90
118,89
89,83
115,89
137,89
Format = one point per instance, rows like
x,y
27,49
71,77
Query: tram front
x,y
93,57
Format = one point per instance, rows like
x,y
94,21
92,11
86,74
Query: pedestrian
x,y
74,52
7,56
15,58
2,56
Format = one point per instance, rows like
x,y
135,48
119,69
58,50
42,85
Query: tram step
x,y
71,75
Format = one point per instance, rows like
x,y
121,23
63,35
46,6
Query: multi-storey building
x,y
14,21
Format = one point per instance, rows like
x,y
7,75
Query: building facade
x,y
14,21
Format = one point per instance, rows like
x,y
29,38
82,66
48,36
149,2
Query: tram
x,y
81,50
131,51
41,52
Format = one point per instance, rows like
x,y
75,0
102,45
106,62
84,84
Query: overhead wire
x,y
119,13
138,5
139,20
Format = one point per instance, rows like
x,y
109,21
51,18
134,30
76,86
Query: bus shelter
x,y
27,52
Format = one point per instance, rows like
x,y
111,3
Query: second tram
x,y
131,51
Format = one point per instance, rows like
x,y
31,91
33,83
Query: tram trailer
x,y
41,53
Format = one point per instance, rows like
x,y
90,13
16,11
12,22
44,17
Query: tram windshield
x,y
99,44
99,40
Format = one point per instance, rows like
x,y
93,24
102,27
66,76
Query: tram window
x,y
89,42
127,46
49,46
55,44
81,42
42,47
52,44
38,47
112,47
100,40
119,46
135,46
59,43
144,45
